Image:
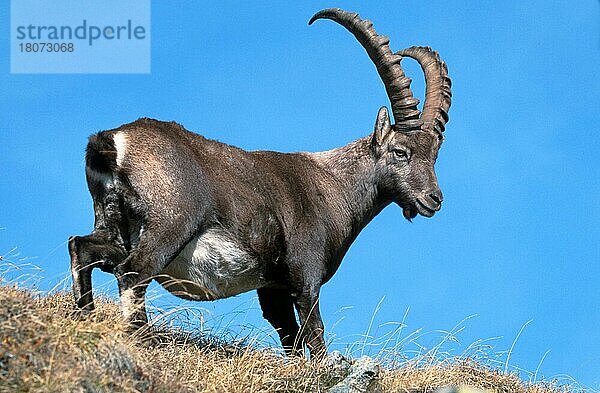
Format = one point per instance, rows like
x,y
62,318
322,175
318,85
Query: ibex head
x,y
405,152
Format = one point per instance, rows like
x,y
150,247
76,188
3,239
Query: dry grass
x,y
43,349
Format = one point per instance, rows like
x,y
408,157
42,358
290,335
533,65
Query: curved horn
x,y
437,91
397,85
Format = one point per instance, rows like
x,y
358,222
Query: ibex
x,y
208,220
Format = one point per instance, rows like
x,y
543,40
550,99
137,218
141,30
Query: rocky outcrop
x,y
360,376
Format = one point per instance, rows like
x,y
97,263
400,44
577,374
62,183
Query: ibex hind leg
x,y
87,252
103,248
158,243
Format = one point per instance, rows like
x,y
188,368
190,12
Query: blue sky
x,y
517,238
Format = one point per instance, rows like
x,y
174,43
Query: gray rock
x,y
459,389
361,377
446,389
337,365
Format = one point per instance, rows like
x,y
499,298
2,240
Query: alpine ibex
x,y
208,220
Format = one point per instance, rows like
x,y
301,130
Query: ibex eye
x,y
401,154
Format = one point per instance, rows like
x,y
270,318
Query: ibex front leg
x,y
278,308
311,324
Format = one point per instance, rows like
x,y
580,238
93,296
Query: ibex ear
x,y
382,126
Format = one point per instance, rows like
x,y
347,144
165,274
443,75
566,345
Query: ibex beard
x,y
208,220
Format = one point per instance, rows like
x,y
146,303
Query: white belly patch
x,y
212,266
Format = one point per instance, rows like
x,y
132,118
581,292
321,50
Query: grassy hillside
x,y
43,349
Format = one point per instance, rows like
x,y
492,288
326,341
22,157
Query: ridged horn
x,y
438,94
397,85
